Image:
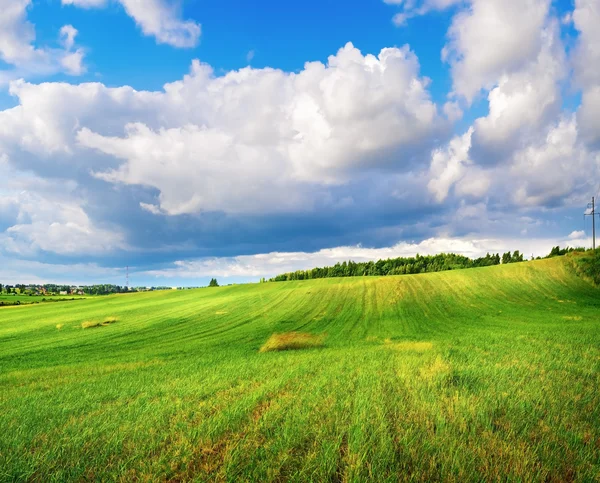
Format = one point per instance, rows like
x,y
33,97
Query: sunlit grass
x,y
292,341
476,375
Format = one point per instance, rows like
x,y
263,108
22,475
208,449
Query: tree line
x,y
404,265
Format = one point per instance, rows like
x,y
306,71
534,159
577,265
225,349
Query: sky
x,y
191,139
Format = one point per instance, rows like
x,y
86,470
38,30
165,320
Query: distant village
x,y
54,290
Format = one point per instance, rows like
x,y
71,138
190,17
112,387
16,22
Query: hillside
x,y
475,374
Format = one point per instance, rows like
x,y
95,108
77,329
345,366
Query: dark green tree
x,y
213,283
517,257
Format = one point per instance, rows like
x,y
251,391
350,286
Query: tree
x,y
506,258
213,283
1,287
517,257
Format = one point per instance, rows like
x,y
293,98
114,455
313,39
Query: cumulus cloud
x,y
523,102
554,170
67,36
17,49
525,152
49,217
160,19
452,166
587,75
493,38
251,141
551,170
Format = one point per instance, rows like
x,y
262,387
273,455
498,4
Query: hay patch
x,y
90,324
292,341
408,346
221,312
573,317
60,326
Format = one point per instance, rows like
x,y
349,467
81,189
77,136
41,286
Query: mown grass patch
x,y
292,341
90,324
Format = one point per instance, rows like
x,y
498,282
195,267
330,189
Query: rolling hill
x,y
480,374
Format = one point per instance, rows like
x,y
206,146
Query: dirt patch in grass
x,y
91,324
292,341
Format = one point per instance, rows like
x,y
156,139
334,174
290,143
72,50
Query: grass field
x,y
482,374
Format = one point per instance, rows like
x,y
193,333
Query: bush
x,y
588,265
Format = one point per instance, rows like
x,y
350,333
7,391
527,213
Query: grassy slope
x,y
466,375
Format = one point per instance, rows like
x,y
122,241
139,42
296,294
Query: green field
x,y
471,375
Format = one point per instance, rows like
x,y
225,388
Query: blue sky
x,y
191,139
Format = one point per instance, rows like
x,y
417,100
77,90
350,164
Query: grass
x,y
92,324
473,375
292,341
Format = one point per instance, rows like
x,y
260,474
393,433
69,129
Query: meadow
x,y
480,374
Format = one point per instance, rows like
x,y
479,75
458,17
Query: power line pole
x,y
593,214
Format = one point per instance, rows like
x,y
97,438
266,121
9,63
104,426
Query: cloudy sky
x,y
196,138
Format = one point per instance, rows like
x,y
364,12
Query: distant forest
x,y
410,265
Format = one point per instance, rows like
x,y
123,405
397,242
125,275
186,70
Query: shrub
x,y
292,341
587,265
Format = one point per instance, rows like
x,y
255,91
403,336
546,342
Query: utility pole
x,y
593,214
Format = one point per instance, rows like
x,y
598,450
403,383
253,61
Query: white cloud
x,y
73,62
17,49
193,141
86,3
524,101
67,36
250,55
453,111
414,8
577,235
449,165
493,38
555,168
49,216
271,264
15,270
160,19
587,74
